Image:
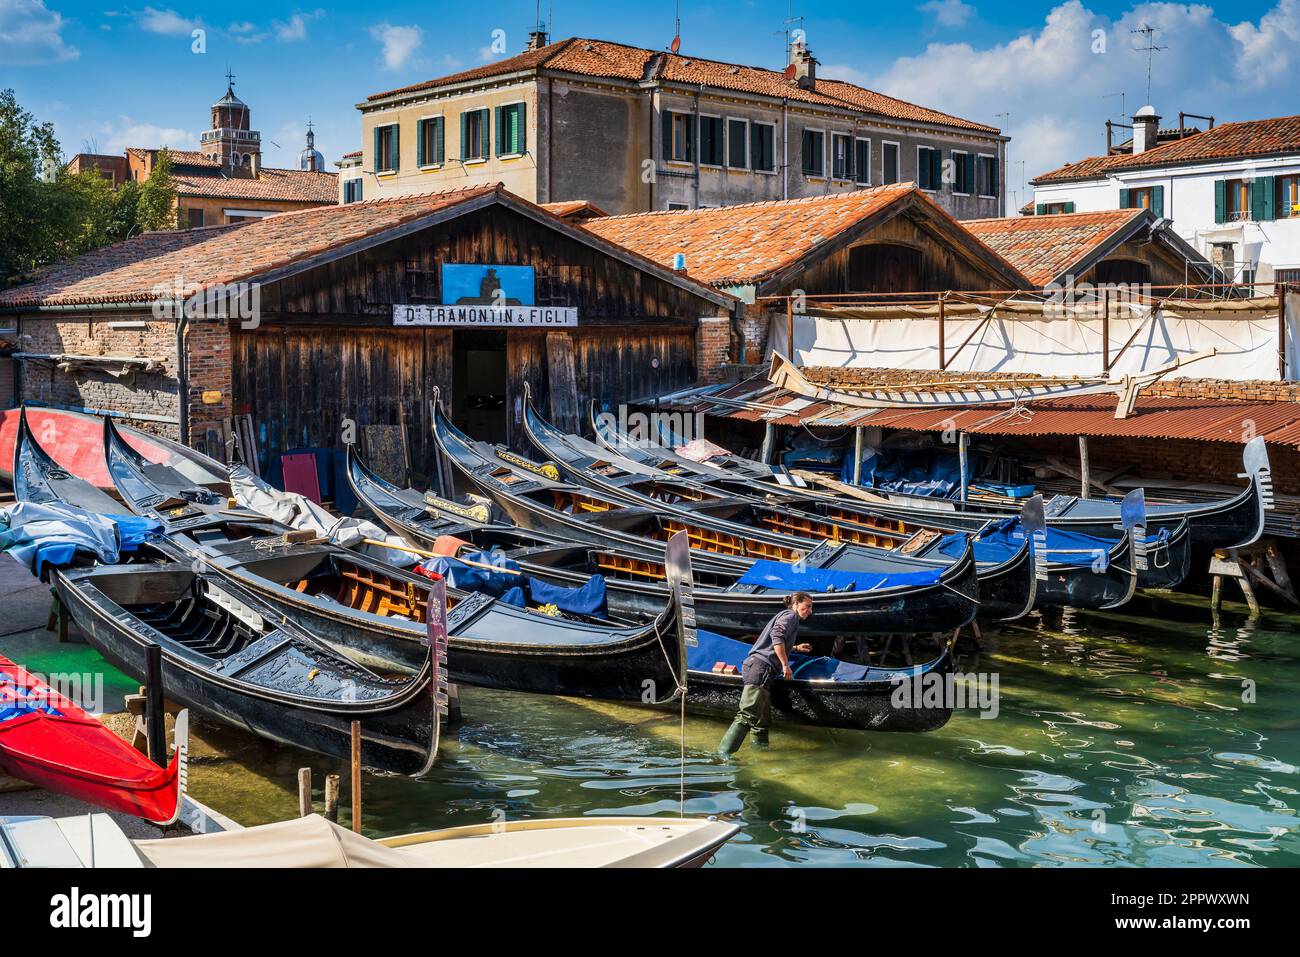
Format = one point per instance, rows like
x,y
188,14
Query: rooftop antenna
x,y
1150,49
230,79
677,29
1123,101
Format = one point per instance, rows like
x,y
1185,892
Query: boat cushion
x,y
785,576
588,599
1001,540
712,648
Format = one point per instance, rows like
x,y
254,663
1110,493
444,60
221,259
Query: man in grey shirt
x,y
768,659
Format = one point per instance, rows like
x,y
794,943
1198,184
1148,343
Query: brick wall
x,y
151,396
712,348
755,328
6,383
208,348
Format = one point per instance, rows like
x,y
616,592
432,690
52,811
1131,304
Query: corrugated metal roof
x,y
1155,417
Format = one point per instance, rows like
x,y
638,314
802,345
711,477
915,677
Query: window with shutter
x,y
814,153
386,148
510,130
929,168
1158,202
862,162
889,163
1220,201
762,139
711,153
475,135
961,182
1287,203
1125,199
737,144
679,136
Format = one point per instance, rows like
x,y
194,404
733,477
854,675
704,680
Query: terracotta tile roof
x,y
352,155
739,245
178,157
601,58
573,207
1227,141
1046,248
302,186
129,271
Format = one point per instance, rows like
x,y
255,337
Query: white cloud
x,y
241,27
1058,80
1268,51
166,22
295,28
115,138
399,43
948,13
31,35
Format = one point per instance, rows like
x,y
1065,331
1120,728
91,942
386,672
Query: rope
x,y
680,693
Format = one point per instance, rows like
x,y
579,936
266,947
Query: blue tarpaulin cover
x,y
42,536
713,648
588,599
1005,538
914,471
784,576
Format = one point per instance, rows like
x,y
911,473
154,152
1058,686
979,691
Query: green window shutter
x,y
521,128
994,184
1069,207
439,140
485,133
420,158
1256,200
397,147
1268,188
692,134
1158,202
1220,201
1124,201
378,164
1040,209
970,173
500,117
667,123
936,169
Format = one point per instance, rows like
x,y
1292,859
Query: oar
x,y
424,554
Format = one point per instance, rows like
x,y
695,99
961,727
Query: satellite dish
x,y
676,44
789,72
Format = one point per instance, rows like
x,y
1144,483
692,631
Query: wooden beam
x,y
1085,469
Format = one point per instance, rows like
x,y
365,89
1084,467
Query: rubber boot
x,y
733,739
760,740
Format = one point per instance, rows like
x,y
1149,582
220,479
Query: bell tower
x,y
230,141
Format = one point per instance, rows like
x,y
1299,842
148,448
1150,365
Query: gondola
x,y
374,613
635,581
1165,562
48,741
228,655
825,692
1229,523
1007,583
927,596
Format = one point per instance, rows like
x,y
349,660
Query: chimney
x,y
1146,126
538,38
804,64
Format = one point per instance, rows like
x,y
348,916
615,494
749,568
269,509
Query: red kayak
x,y
48,741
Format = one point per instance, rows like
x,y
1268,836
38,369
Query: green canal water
x,y
1154,738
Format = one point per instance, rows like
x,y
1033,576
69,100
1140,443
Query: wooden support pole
x,y
857,455
1105,331
943,362
304,792
356,776
769,440
332,798
155,721
63,624
962,440
1281,332
1085,469
789,326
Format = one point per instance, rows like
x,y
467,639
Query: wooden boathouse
x,y
322,324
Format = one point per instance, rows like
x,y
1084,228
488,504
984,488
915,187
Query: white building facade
x,y
1232,191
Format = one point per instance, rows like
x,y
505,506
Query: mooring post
x,y
304,792
961,463
857,456
155,721
356,776
332,798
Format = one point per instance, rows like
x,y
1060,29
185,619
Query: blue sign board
x,y
467,285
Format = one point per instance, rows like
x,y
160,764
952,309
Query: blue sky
x,y
112,75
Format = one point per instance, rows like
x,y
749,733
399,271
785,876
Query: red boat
x,y
75,441
48,741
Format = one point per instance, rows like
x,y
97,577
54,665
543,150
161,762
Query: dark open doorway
x,y
479,406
